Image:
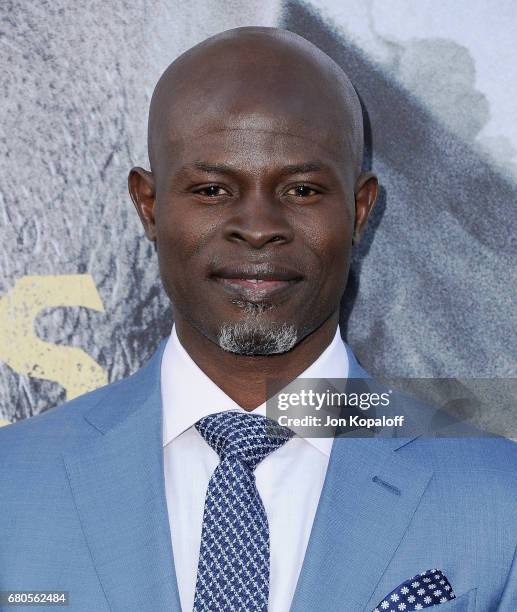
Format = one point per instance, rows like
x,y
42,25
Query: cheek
x,y
182,230
330,240
337,264
334,246
175,246
339,234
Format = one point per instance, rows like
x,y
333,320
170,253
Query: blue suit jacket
x,y
83,509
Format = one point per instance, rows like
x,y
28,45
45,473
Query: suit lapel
x,y
368,498
118,485
367,501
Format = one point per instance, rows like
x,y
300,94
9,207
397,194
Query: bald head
x,y
255,193
264,79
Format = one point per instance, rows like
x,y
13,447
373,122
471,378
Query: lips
x,y
257,282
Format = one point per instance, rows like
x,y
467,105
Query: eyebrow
x,y
303,168
213,168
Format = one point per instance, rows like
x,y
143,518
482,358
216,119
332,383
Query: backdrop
x,y
432,287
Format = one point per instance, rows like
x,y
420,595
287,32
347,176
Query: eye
x,y
302,191
211,191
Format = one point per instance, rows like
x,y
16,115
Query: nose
x,y
258,219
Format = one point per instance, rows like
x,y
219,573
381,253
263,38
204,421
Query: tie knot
x,y
249,437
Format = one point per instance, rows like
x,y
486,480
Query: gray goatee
x,y
254,336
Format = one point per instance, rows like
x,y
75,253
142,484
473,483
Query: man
x,y
164,491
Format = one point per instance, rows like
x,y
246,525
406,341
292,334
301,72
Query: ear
x,y
366,188
142,191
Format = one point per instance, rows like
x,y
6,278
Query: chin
x,y
255,336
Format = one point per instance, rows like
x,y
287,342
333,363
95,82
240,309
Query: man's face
x,y
252,206
254,223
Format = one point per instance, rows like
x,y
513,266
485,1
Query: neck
x,y
244,378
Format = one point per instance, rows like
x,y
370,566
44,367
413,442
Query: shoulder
x,y
470,466
54,429
480,452
46,435
60,428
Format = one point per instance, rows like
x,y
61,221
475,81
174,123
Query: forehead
x,y
254,134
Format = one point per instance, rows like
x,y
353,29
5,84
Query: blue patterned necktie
x,y
233,568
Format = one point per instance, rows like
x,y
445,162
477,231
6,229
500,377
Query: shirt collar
x,y
188,394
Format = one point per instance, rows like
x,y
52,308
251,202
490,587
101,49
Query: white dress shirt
x,y
289,480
